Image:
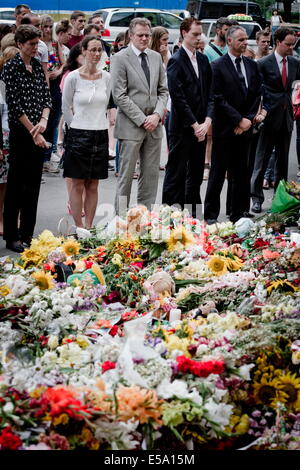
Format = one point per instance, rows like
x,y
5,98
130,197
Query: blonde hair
x,y
8,53
8,40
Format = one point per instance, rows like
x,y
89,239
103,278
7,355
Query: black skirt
x,y
86,154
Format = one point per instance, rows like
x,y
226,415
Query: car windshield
x,y
103,14
121,18
251,29
170,21
7,15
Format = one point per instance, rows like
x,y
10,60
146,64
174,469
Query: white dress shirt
x,y
194,62
233,57
279,60
138,53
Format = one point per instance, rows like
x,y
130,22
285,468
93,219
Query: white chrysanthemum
x,y
218,412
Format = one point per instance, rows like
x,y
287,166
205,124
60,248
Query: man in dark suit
x,y
237,94
189,81
278,71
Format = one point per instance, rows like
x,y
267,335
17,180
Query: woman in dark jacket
x,y
29,102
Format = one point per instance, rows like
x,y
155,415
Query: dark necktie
x,y
240,74
283,73
145,66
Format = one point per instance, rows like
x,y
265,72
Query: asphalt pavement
x,y
53,197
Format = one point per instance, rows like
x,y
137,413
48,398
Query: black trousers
x,y
231,155
23,185
267,141
184,171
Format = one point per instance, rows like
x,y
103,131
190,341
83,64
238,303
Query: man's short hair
x,y
135,21
76,14
232,30
186,24
95,15
89,28
282,32
18,8
223,21
262,33
26,32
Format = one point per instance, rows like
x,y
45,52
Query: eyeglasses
x,y
81,21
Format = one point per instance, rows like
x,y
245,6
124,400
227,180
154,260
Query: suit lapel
x,y
233,71
189,64
291,65
276,68
137,67
152,69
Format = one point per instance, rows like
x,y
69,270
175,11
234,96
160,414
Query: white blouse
x,y
84,102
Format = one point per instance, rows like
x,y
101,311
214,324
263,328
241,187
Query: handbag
x,y
296,111
296,106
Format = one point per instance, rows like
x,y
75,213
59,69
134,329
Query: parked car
x,y
209,29
118,19
7,15
204,9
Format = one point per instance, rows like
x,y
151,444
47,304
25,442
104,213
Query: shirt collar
x,y
279,57
137,51
233,57
189,53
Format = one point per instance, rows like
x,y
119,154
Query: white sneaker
x,y
55,158
50,167
83,233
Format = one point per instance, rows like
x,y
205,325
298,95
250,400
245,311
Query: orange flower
x,y
102,324
138,403
63,400
269,255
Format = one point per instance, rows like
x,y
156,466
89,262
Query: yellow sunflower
x,y
179,239
234,264
43,280
282,283
71,247
289,384
31,256
217,265
4,291
266,392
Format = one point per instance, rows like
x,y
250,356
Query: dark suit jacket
x,y
231,104
277,100
106,47
189,94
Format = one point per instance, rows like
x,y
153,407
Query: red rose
x,y
9,440
107,365
114,330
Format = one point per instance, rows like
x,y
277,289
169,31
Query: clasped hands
x,y
200,130
151,122
36,133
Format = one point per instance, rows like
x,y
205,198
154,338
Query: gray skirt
x,y
86,154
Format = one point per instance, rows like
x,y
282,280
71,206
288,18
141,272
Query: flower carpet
x,y
158,332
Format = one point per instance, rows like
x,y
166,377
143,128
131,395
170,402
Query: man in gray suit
x,y
278,70
140,93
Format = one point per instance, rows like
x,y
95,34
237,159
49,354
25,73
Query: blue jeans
x,y
269,173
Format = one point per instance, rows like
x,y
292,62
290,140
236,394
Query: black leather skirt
x,y
86,154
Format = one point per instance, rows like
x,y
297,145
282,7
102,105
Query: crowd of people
x,y
71,101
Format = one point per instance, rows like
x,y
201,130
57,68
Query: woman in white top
x,y
275,22
85,101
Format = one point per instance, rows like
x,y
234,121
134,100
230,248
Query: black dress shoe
x,y
26,241
16,246
211,221
248,215
256,207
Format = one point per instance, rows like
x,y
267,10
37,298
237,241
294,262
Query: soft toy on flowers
x,y
132,227
81,273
